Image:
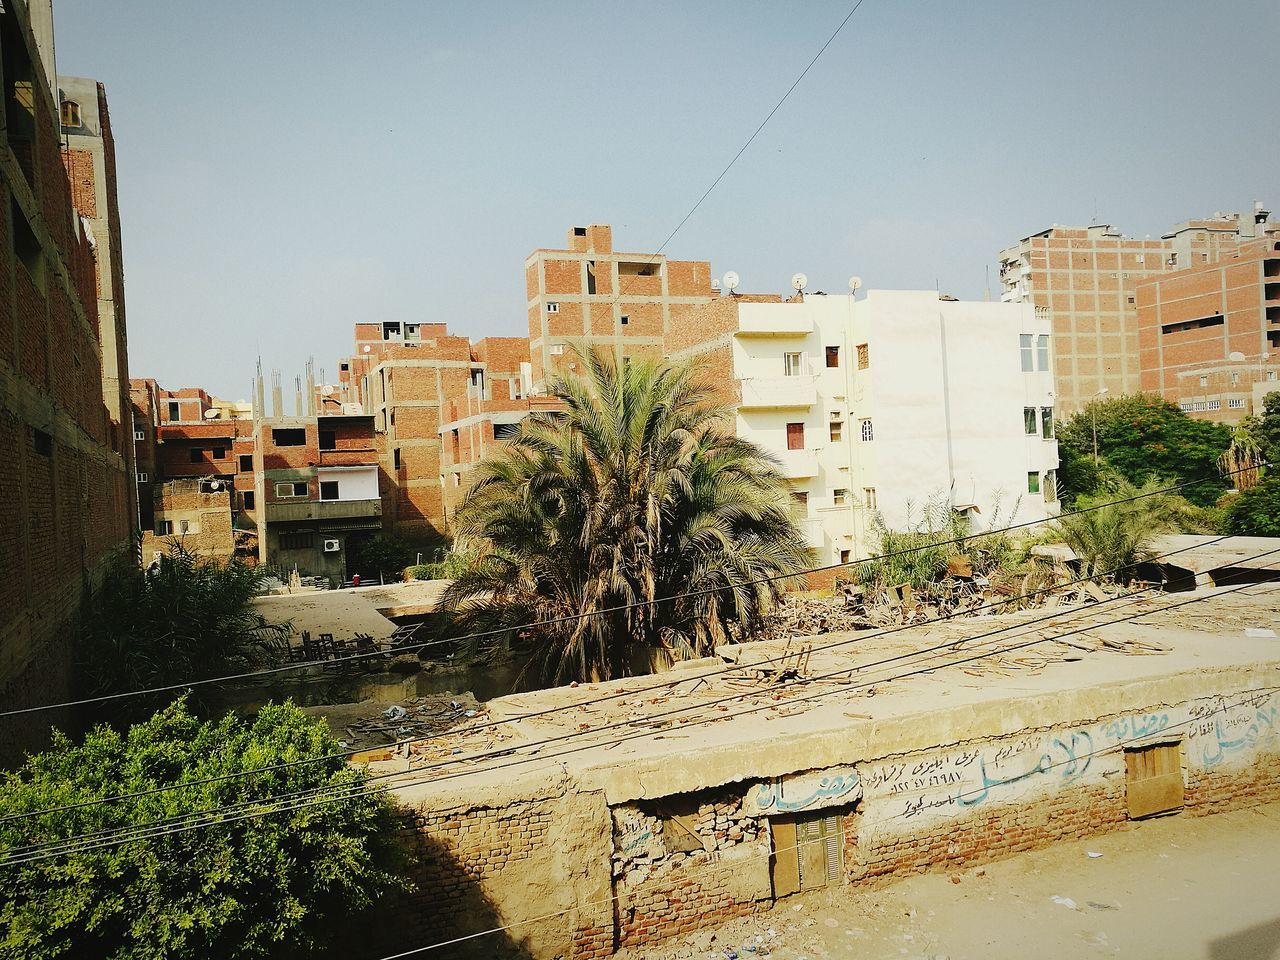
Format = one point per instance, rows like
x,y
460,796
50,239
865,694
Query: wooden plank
x,y
1153,780
786,862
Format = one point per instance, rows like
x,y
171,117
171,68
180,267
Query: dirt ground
x,y
1175,887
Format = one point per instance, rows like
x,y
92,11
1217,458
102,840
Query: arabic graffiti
x,y
1234,732
806,791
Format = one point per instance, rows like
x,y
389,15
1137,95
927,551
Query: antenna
x,y
855,283
799,281
731,281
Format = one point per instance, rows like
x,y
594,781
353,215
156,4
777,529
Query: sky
x,y
287,170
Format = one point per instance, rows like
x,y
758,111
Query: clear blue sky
x,y
286,170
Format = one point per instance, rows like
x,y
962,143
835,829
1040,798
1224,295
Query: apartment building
x,y
315,496
65,460
1087,278
1209,334
592,294
897,408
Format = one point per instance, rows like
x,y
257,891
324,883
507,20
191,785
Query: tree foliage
x,y
1256,512
383,555
256,887
184,618
1140,437
639,490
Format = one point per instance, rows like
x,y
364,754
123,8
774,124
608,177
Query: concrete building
x,y
1210,333
1087,278
66,472
593,295
616,815
898,408
315,492
197,513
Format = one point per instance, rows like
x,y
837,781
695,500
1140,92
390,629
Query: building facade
x,y
1087,279
592,295
895,410
67,461
1210,334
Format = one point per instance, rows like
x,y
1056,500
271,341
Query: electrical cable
x,y
572,618
356,790
488,725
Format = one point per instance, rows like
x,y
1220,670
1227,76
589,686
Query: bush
x,y
184,618
450,568
268,886
383,555
1256,512
1113,537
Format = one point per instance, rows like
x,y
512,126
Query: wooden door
x,y
795,436
808,852
1153,779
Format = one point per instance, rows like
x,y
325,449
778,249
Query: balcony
x,y
285,510
798,464
811,527
774,320
761,393
349,457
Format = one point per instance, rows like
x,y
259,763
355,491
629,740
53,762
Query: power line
x,y
624,693
573,618
34,852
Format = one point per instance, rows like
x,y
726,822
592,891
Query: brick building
x,y
1087,278
67,461
594,295
1209,334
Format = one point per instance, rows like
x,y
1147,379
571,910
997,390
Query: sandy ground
x,y
1176,887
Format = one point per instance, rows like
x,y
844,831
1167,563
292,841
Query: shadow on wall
x,y
1255,943
447,903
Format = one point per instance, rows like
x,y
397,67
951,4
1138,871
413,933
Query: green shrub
x,y
1256,512
274,886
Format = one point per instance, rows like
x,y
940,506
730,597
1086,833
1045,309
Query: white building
x,y
891,405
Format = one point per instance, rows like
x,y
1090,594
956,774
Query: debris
x,y
1259,632
395,712
1101,906
1064,902
1093,855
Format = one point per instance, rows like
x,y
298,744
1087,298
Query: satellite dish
x,y
215,485
855,283
799,281
213,413
731,281
366,348
326,389
1236,356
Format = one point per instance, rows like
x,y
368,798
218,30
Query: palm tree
x,y
1111,532
637,491
1242,461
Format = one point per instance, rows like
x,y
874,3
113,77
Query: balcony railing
x,y
349,457
764,392
773,320
286,510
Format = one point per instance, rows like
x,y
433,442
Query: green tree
x,y
1256,512
184,618
383,555
1115,532
638,490
278,885
1143,436
1241,462
1268,429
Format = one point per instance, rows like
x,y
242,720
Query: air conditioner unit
x,y
332,546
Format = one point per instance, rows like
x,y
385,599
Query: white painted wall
x,y
354,483
944,391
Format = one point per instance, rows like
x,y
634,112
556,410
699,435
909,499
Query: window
x,y
1046,422
1153,779
1050,486
868,434
810,852
1204,381
624,320
839,497
591,276
184,526
795,436
344,367
70,114
845,555
869,498
1213,405
328,489
556,350
1029,421
515,387
553,308
792,364
175,411
246,462
1235,378
579,231
297,541
1236,403
196,455
837,430
139,435
289,437
329,439
799,503
248,499
164,528
1042,352
42,442
864,356
395,458
833,356
1033,482
1216,320
1028,359
504,431
219,453
142,477
27,245
291,490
